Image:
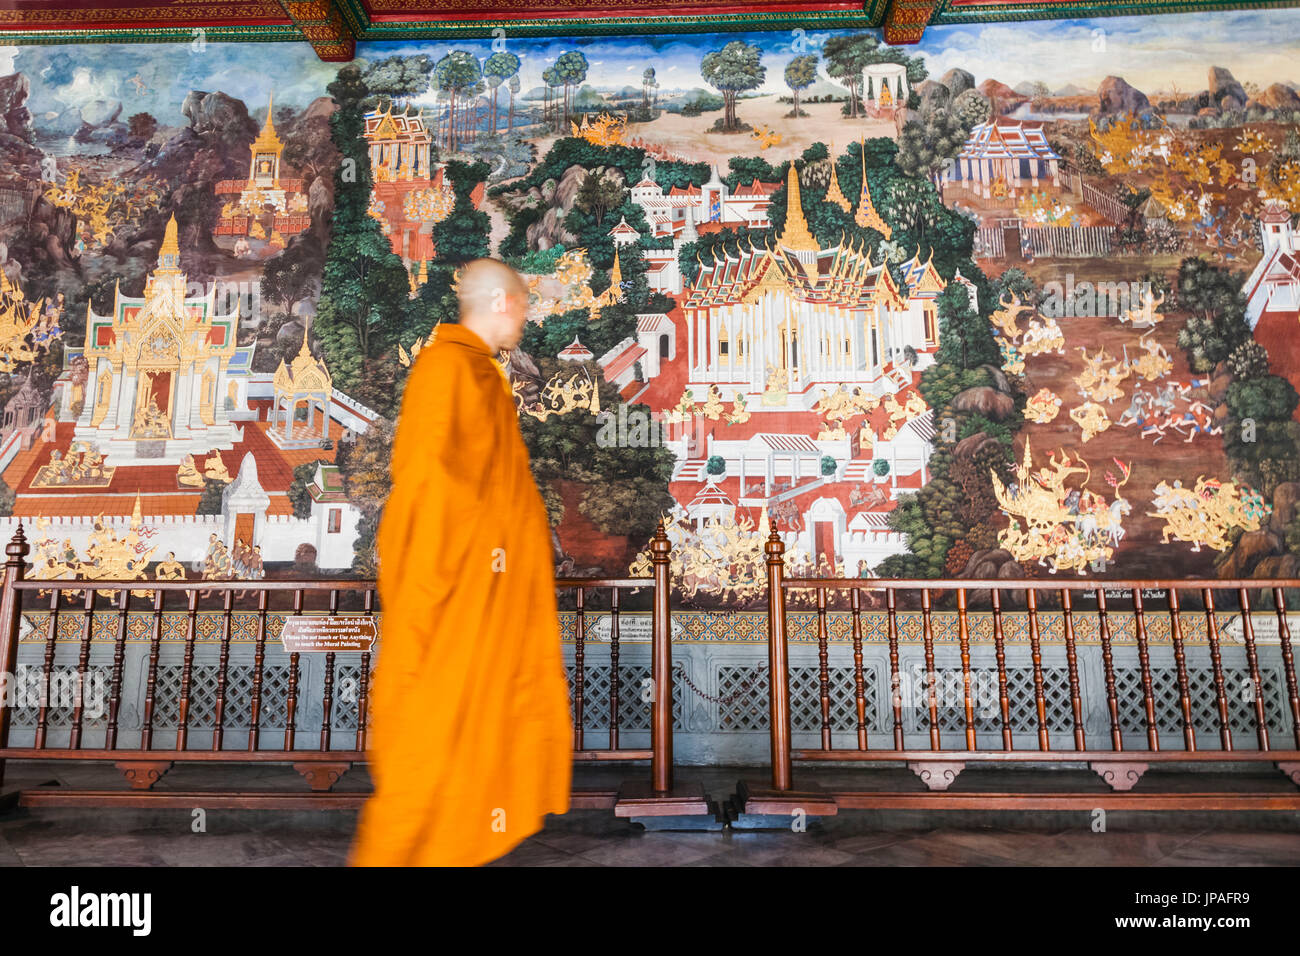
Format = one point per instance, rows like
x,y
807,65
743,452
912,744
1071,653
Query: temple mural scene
x,y
1018,301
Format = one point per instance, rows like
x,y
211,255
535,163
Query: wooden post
x,y
11,609
778,669
662,803
661,726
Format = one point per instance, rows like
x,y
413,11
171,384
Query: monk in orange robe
x,y
470,735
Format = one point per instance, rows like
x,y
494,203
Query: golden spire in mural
x,y
867,217
169,253
833,194
616,274
268,139
795,236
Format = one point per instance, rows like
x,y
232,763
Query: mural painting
x,y
966,309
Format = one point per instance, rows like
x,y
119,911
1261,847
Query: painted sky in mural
x,y
981,307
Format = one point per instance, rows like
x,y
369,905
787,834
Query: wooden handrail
x,y
660,752
1037,584
1118,766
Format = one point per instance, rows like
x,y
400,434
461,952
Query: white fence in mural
x,y
988,242
1048,242
1104,203
1070,242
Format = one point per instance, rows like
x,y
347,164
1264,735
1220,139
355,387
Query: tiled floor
x,y
66,837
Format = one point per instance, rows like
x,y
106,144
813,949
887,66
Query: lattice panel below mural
x,y
1205,710
633,712
747,708
1021,707
97,686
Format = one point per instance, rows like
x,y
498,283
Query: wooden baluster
x,y
931,677
579,672
613,669
661,670
291,700
327,695
1252,658
963,638
895,679
859,686
1036,655
1288,662
119,655
1220,688
1000,651
1108,661
223,666
51,635
363,683
151,681
1144,661
1180,661
83,664
259,662
823,668
187,669
778,663
11,615
1072,659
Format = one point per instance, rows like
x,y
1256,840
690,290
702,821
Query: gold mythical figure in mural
x,y
1208,513
1065,529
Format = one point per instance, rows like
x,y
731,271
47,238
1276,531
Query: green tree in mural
x,y
513,83
735,68
627,486
926,147
846,55
800,73
299,496
499,67
597,195
971,108
648,83
364,465
463,235
210,500
397,76
965,336
550,114
455,74
570,71
364,287
1217,323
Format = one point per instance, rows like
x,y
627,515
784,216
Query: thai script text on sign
x,y
307,634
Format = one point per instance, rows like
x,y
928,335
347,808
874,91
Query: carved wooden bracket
x,y
322,776
1292,770
323,24
143,774
1120,776
937,774
906,20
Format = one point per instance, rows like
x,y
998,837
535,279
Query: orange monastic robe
x,y
470,735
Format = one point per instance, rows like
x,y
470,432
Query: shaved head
x,y
493,303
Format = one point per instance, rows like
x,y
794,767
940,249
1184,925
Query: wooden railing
x,y
938,762
144,755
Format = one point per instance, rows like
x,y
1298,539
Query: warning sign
x,y
314,634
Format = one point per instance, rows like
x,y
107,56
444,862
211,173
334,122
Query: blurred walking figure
x,y
470,739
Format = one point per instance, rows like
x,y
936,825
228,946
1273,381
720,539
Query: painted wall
x,y
1018,301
